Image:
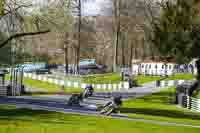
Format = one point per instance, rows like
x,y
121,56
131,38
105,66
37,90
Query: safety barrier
x,y
44,78
3,91
189,102
168,83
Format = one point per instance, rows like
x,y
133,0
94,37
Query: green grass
x,y
98,79
141,79
47,87
181,77
159,106
196,94
93,79
54,88
13,120
68,78
103,78
51,88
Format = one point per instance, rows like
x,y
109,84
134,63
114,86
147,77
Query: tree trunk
x,y
135,49
75,61
198,70
131,55
66,59
117,30
18,35
79,36
123,48
144,52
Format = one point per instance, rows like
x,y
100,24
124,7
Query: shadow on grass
x,y
35,116
16,112
49,93
161,98
161,112
158,105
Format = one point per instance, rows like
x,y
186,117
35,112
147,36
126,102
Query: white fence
x,y
114,87
190,103
195,104
168,83
3,91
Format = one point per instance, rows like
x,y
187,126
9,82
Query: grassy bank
x,y
141,79
14,120
110,78
159,106
46,87
181,77
51,88
196,94
99,79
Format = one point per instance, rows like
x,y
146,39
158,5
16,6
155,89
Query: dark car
x,y
4,71
92,69
43,71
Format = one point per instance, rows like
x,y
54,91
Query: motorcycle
x,y
75,100
112,106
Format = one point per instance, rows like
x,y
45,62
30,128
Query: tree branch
x,y
18,35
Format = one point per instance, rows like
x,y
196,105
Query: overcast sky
x,y
89,7
95,7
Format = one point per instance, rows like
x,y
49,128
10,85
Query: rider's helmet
x,y
118,100
89,87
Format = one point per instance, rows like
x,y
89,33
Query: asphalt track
x,y
58,103
84,109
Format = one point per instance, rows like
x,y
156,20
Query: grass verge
x,y
13,120
159,106
196,94
45,87
141,79
110,78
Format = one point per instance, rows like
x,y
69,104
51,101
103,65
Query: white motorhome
x,y
160,68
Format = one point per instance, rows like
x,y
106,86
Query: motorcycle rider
x,y
88,91
112,106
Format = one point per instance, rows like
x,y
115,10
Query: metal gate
x,y
16,81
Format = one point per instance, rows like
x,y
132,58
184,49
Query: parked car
x,y
43,71
5,71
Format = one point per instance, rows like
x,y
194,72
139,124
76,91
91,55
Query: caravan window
x,y
149,66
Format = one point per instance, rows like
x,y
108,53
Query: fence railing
x,y
189,102
3,91
76,84
80,84
168,83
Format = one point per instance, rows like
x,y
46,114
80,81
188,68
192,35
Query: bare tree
x,y
76,9
116,10
79,35
66,42
11,10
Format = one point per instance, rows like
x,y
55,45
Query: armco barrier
x,y
190,103
121,85
168,83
